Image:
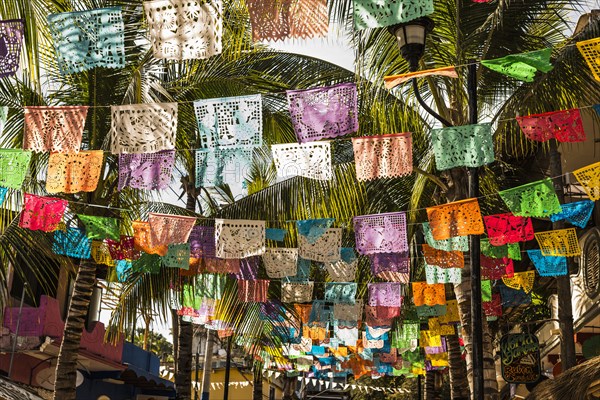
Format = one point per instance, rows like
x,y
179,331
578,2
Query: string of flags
x,y
338,334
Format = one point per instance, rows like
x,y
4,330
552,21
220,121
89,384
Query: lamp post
x,y
411,37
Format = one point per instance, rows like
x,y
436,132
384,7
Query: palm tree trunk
x,y
257,392
185,337
463,296
66,367
183,375
430,385
207,368
459,386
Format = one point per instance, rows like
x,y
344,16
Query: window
x,y
590,261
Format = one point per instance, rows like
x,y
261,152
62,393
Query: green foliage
x,y
157,344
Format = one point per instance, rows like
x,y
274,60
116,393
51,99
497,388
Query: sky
x,y
335,49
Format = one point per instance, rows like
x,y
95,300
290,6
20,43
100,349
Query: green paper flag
x,y
537,199
486,290
522,66
100,227
512,250
14,165
178,256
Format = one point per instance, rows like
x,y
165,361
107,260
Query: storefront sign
x,y
520,355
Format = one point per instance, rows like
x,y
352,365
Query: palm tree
x,y
464,31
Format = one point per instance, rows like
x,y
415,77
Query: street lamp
x,y
411,37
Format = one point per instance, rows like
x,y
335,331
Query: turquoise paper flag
x,y
522,66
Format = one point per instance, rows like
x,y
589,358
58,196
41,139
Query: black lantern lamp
x,y
411,38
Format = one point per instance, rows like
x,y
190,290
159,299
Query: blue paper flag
x,y
578,213
275,234
313,229
72,243
548,265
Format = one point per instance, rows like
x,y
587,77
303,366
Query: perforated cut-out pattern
x,y
548,265
536,199
88,39
434,274
348,312
223,166
325,249
73,173
496,268
311,160
143,128
460,243
297,292
313,229
178,256
150,171
184,29
381,315
42,213
443,259
280,262
460,218
253,291
168,229
376,13
72,243
143,239
381,233
493,308
521,66
463,146
507,228
54,129
340,292
578,213
562,242
326,112
14,165
278,20
100,227
521,281
388,156
564,126
221,266
390,263
320,312
387,294
425,294
590,50
230,122
100,254
452,315
341,271
431,311
11,35
239,238
589,178
122,249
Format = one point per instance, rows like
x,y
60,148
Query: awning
x,y
12,391
143,379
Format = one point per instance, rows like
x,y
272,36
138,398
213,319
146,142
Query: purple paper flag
x,y
381,233
387,294
390,262
248,268
325,112
11,33
202,242
148,171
